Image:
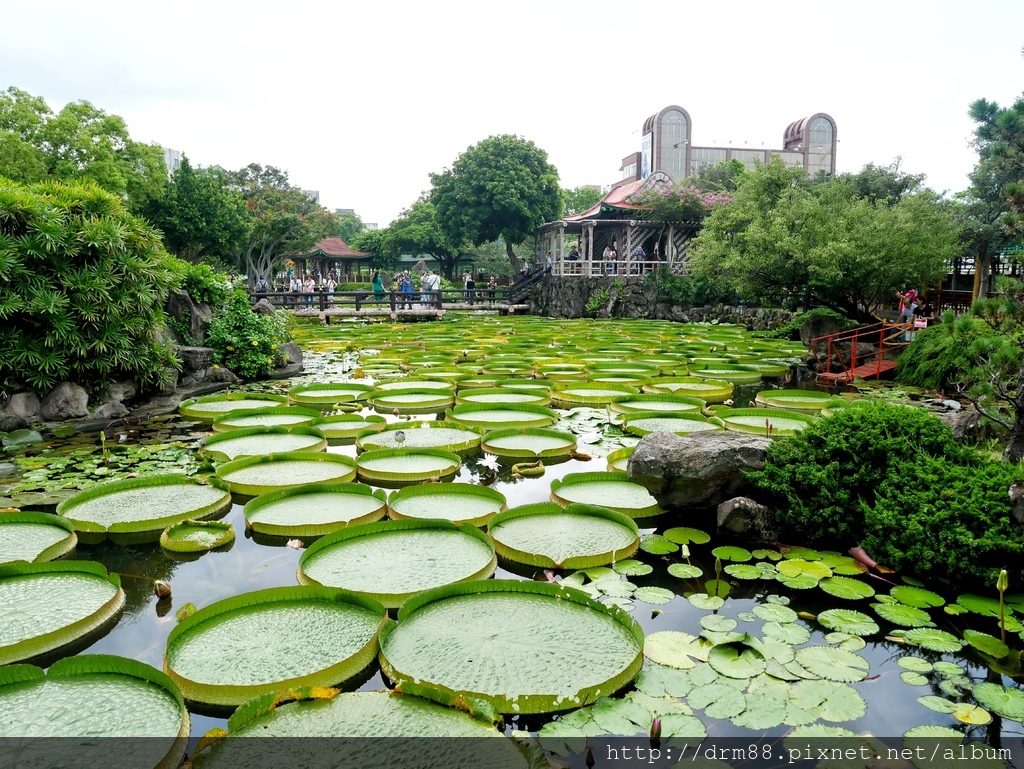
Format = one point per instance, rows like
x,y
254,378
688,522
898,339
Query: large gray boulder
x,y
65,401
194,359
817,326
110,410
966,425
744,517
701,470
120,391
21,410
264,307
194,317
219,374
291,352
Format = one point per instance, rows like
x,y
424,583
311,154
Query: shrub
x,y
792,329
689,290
244,341
204,284
938,360
947,522
354,287
82,289
822,479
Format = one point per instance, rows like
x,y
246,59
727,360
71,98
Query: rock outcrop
x,y
744,517
65,401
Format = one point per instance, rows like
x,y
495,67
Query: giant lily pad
x,y
196,536
491,418
272,639
529,443
254,441
502,395
281,416
804,401
314,509
345,427
460,503
680,423
576,537
35,537
44,606
658,402
253,476
365,729
527,647
212,406
611,490
771,422
395,466
618,460
63,717
709,390
447,436
138,509
411,401
570,394
391,561
326,395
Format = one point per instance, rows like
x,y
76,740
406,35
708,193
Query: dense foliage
x,y
689,290
940,358
244,341
873,474
204,284
82,287
946,521
792,329
678,203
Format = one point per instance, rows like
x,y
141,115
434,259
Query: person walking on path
x,y
378,288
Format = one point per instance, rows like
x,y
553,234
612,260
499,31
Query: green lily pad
x,y
827,700
655,544
915,664
907,616
35,537
986,643
1006,702
632,568
253,476
657,680
917,597
912,678
800,568
611,490
848,621
654,595
456,502
314,509
683,535
718,623
675,649
705,601
718,700
736,661
402,466
983,605
847,588
196,536
685,571
772,612
743,571
731,553
933,639
833,664
789,632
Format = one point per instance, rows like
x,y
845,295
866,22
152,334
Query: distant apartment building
x,y
172,160
366,225
666,145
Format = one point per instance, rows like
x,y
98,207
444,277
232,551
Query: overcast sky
x,y
362,101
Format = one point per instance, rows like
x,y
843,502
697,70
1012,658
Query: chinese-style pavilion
x,y
331,253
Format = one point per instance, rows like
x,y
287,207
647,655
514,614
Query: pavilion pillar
x,y
670,246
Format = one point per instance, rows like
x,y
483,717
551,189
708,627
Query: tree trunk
x,y
1014,451
512,258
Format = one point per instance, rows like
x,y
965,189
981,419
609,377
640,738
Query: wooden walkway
x,y
413,314
865,371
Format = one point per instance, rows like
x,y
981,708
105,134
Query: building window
x,y
819,155
673,144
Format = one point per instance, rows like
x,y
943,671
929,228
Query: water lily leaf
x,y
917,596
954,609
705,601
743,571
828,701
632,568
843,564
913,679
778,600
654,595
662,680
853,643
731,553
833,664
685,571
789,632
659,706
967,713
717,622
775,613
938,704
616,588
765,707
798,567
682,727
801,553
986,643
1008,703
684,535
984,605
675,649
948,669
933,640
800,582
848,621
915,664
716,637
772,649
771,555
907,616
717,587
746,616
847,588
620,717
736,661
718,700
655,544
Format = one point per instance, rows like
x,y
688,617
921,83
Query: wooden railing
x,y
599,267
320,301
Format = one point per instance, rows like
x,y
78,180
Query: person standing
x,y
611,267
331,285
378,288
405,289
492,287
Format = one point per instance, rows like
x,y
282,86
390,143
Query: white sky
x,y
362,101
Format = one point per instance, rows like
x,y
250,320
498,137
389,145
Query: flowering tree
x,y
679,203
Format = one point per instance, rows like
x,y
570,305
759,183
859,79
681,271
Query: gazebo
x,y
618,222
332,254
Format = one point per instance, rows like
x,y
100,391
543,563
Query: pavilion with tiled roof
x,y
335,252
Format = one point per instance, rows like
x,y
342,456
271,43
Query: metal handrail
x,y
886,334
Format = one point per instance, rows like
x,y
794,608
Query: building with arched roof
x,y
666,145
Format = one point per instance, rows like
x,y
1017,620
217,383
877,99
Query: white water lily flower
x,y
490,462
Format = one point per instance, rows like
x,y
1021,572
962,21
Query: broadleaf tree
x,y
501,188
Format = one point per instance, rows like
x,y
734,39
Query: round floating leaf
x,y
916,596
907,616
938,704
632,568
736,661
268,640
574,537
915,664
611,490
770,555
966,713
743,571
833,664
827,700
391,561
280,416
932,732
846,588
843,564
675,649
680,423
789,633
35,537
79,702
984,605
948,669
657,680
411,401
911,678
731,553
718,700
848,621
44,606
718,623
933,640
705,601
509,416
1008,703
529,443
684,536
328,394
140,508
800,568
447,436
655,544
406,465
314,509
457,502
253,476
526,647
212,406
773,612
618,460
345,427
986,644
196,536
254,441
685,571
654,595
293,734
801,554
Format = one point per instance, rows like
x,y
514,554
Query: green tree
x,y
416,231
200,216
283,219
349,225
777,238
579,199
82,287
721,177
884,184
379,243
502,188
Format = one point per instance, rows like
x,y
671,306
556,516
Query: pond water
x,y
892,703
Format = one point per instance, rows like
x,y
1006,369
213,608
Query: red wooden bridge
x,y
885,338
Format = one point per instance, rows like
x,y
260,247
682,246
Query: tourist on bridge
x,y
378,288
